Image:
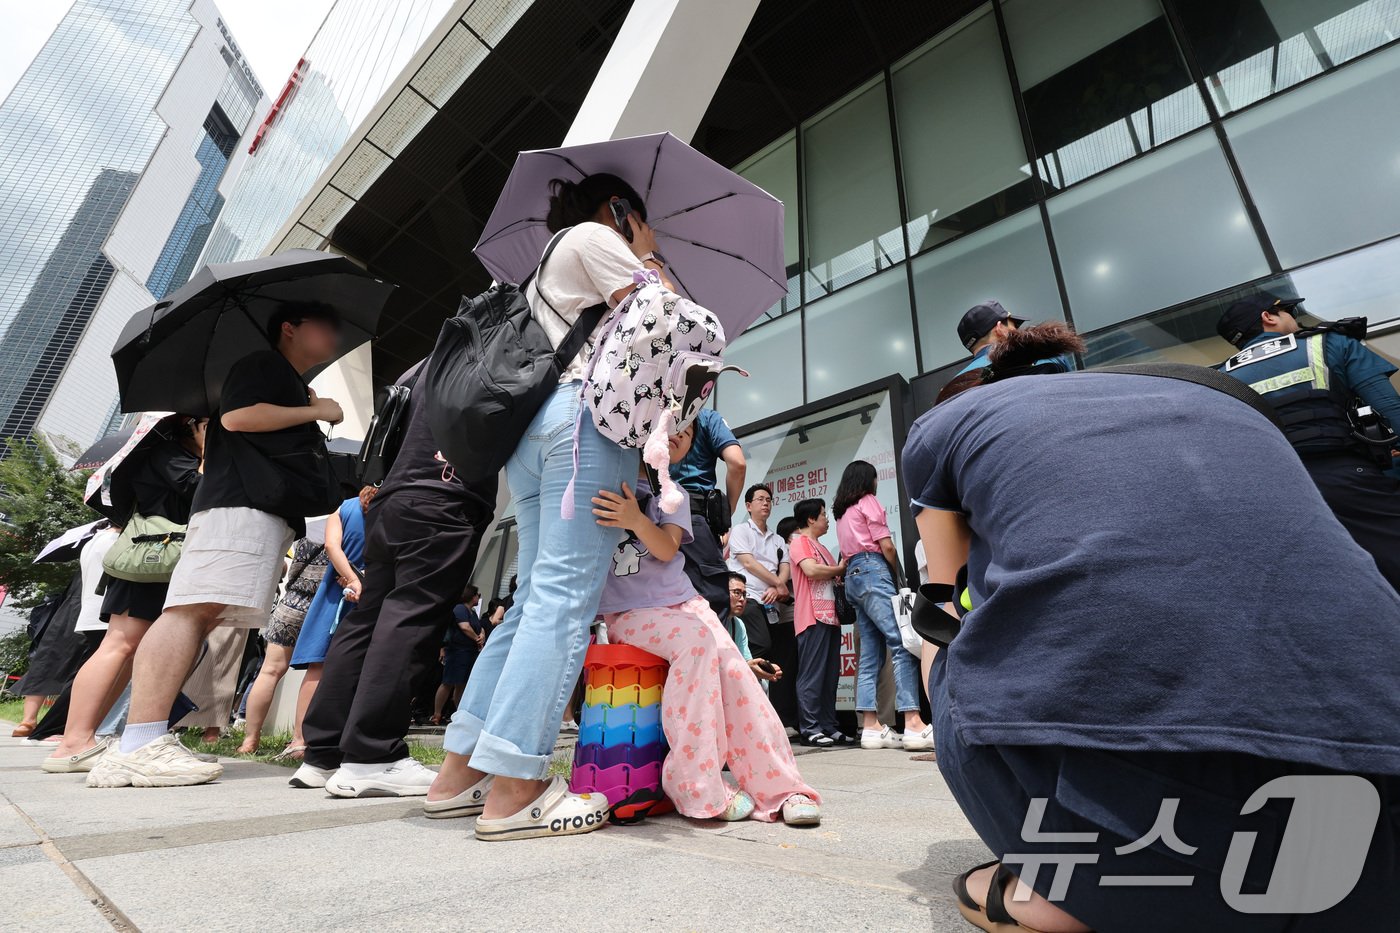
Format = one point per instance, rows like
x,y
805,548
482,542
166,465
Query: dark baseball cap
x,y
1240,322
980,319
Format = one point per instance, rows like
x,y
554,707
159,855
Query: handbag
x,y
904,617
146,551
492,369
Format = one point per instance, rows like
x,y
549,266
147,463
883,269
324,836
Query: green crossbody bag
x,y
147,550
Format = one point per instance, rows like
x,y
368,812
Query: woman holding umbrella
x,y
500,739
160,479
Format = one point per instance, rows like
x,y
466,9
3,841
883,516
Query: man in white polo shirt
x,y
757,553
761,556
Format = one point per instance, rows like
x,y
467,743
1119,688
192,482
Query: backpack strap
x,y
1201,376
588,319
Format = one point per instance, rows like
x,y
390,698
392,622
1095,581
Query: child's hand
x,y
618,511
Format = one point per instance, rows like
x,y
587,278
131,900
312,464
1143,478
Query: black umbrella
x,y
103,450
175,355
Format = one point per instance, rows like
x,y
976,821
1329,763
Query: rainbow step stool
x,y
620,743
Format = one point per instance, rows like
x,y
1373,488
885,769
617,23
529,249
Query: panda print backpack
x,y
654,365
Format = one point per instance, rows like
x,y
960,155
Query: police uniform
x,y
1312,381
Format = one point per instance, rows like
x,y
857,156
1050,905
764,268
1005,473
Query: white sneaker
x,y
402,778
885,738
919,741
309,776
162,763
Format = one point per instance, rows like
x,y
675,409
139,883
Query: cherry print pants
x,y
713,711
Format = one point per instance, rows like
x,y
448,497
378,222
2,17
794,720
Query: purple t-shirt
x,y
636,580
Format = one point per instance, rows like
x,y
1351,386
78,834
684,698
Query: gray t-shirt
x,y
1153,570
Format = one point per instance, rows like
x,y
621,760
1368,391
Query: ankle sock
x,y
139,734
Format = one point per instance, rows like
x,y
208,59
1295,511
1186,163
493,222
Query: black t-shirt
x,y
417,467
260,377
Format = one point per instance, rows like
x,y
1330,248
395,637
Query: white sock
x,y
139,734
878,730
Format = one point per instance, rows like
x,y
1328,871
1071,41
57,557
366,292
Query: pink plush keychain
x,y
657,455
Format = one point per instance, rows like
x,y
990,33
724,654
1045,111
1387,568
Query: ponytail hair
x,y
574,202
1027,346
1026,351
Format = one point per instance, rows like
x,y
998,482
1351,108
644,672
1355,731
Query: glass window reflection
x,y
774,169
957,178
1102,81
1251,49
852,202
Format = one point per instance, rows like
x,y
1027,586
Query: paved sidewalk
x,y
251,853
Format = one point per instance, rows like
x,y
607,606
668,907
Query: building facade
x,y
112,147
1131,166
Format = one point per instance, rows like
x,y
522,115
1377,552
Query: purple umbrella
x,y
722,235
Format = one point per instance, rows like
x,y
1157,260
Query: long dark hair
x,y
857,482
574,202
1020,354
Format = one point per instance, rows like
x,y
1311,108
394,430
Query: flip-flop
x,y
289,752
556,812
469,802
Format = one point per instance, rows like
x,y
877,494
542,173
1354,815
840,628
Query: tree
x,y
39,500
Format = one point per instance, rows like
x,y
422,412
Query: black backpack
x,y
385,435
491,370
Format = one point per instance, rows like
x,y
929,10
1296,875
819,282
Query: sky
x,y
271,33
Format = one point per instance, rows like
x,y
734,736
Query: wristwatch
x,y
654,256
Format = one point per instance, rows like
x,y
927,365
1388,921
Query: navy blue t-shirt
x,y
1153,570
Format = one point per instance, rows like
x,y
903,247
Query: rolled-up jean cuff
x,y
497,756
463,732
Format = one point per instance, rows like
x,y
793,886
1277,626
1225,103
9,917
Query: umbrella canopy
x,y
67,545
103,450
99,491
176,354
721,234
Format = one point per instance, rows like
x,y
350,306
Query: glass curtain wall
x,y
1101,161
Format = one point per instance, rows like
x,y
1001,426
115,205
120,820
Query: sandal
x,y
24,730
469,802
993,918
293,752
556,812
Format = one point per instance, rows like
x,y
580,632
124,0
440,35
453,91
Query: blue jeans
x,y
523,678
870,589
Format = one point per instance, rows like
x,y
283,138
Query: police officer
x,y
987,324
1314,378
710,509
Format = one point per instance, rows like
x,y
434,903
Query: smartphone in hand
x,y
621,207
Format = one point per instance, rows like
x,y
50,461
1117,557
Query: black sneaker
x,y
817,740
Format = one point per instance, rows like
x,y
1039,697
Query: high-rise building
x,y
358,50
113,146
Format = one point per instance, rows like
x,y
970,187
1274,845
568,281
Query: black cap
x,y
980,319
1240,322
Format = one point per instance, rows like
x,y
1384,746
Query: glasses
x,y
760,500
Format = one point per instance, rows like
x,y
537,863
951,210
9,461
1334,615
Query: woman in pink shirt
x,y
867,547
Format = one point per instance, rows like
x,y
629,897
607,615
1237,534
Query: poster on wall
x,y
805,459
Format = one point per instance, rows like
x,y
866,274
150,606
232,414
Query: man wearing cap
x,y
1313,378
985,325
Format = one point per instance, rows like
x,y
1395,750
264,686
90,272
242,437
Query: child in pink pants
x,y
713,709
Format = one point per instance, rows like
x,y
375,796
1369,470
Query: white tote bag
x,y
904,615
